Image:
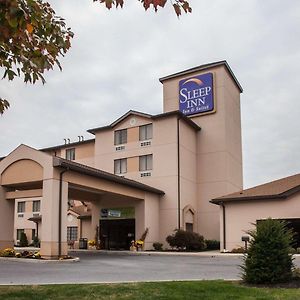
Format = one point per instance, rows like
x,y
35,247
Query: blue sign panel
x,y
196,94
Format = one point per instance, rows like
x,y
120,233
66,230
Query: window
x,y
146,132
21,207
19,231
120,136
189,227
70,154
36,206
121,166
146,162
72,233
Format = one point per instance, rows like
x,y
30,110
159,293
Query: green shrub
x,y
212,244
185,240
158,246
296,273
23,240
268,259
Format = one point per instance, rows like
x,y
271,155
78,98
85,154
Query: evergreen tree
x,y
268,259
23,240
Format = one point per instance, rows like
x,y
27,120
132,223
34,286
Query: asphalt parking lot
x,y
119,267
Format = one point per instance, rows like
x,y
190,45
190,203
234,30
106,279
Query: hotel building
x,y
141,171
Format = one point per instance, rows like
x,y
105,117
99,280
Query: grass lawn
x,y
207,290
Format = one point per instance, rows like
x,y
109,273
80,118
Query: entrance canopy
x,y
27,172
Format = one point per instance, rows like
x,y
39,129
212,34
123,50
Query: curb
x,y
40,261
157,253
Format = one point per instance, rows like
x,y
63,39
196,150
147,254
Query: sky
x,y
117,57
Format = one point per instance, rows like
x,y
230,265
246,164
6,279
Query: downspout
x,y
60,210
224,227
178,173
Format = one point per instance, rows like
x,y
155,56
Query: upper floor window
x,y
36,206
120,137
146,162
121,166
70,154
21,207
146,132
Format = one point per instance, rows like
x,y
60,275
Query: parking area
x,y
122,267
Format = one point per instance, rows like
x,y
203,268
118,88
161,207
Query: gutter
x,y
178,173
224,226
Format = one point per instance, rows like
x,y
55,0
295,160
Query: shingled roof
x,y
277,189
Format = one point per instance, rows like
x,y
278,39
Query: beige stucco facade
x,y
242,216
192,159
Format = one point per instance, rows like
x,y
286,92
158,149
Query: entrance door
x,y
117,234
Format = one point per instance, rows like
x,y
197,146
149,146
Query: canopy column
x,y
6,220
55,200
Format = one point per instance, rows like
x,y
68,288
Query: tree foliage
x,y
178,5
33,38
268,259
23,240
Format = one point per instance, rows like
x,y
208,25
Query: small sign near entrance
x,y
117,213
196,94
114,213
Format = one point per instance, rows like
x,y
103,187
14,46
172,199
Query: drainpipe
x,y
178,172
60,210
224,226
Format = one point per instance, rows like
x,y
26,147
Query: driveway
x,y
121,267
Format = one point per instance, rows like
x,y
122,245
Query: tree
x,y
268,259
23,240
33,38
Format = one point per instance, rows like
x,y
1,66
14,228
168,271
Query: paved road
x,y
102,267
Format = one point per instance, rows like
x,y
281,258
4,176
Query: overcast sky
x,y
117,57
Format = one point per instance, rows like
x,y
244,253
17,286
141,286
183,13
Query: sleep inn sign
x,y
196,94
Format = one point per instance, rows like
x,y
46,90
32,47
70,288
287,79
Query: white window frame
x,y
120,166
21,207
146,132
146,162
70,154
121,137
36,206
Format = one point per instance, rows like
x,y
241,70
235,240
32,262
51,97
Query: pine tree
x,y
268,259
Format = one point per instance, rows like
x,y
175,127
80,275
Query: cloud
x,y
117,57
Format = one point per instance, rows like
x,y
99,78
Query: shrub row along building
x,y
142,171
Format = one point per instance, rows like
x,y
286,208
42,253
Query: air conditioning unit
x,y
36,215
145,174
144,144
20,215
120,148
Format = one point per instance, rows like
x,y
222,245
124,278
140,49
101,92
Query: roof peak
x,y
203,68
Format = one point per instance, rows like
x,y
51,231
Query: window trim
x,y
20,230
39,206
23,207
120,166
72,151
70,234
122,140
147,168
147,135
